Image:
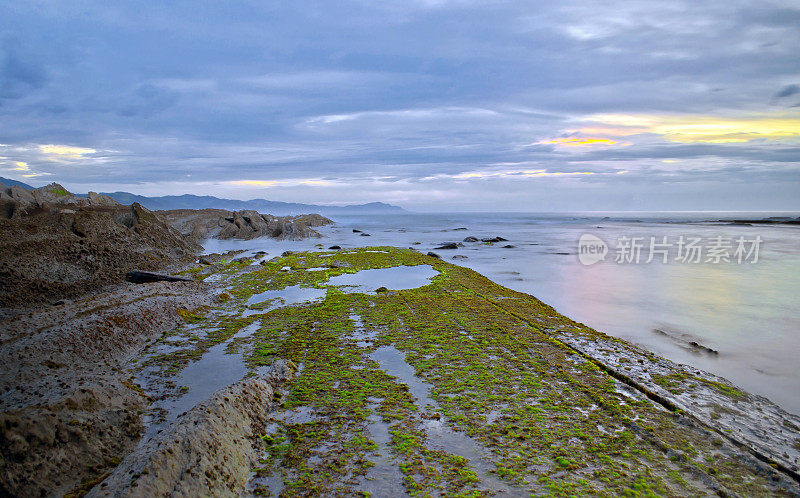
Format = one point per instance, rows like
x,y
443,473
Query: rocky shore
x,y
55,245
201,224
320,374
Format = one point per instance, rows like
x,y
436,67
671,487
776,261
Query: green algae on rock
x,y
461,387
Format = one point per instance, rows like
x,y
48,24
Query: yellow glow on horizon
x,y
66,151
698,128
580,142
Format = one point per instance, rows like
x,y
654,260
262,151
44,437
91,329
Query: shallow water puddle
x,y
395,278
393,362
288,296
214,371
201,379
362,336
299,415
247,331
385,478
269,481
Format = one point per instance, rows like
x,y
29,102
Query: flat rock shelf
x,y
447,384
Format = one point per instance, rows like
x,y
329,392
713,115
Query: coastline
x,y
502,374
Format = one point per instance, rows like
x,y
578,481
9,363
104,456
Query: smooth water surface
x,y
395,278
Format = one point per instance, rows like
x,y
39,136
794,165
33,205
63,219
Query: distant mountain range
x,y
188,201
9,182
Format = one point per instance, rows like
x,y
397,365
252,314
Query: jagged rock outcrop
x,y
202,224
54,244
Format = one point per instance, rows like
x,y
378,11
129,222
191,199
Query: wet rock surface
x,y
68,410
210,450
443,383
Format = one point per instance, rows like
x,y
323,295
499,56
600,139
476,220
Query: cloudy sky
x,y
430,104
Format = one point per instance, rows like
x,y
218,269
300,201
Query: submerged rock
x,y
448,245
494,239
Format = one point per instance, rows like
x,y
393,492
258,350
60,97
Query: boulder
x,y
434,255
448,245
95,199
471,239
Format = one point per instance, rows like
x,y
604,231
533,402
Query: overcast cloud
x,y
429,104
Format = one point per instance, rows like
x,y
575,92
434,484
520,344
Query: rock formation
x,y
54,244
202,224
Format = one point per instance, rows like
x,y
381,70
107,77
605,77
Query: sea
x,y
698,288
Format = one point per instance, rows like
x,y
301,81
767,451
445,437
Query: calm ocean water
x,y
746,311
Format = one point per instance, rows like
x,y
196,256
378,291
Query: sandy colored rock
x,y
209,451
68,412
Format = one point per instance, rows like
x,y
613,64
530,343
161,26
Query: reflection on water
x,y
385,478
393,362
288,296
749,312
396,278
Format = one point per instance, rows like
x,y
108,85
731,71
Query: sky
x,y
433,105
